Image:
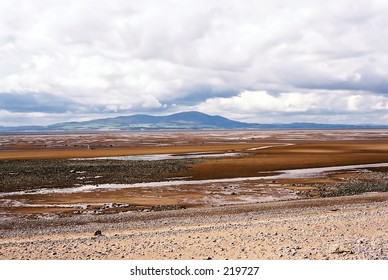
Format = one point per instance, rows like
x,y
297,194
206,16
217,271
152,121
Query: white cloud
x,y
8,118
290,106
147,55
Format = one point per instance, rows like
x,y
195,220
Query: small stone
x,y
336,249
98,233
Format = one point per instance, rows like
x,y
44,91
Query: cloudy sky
x,y
253,60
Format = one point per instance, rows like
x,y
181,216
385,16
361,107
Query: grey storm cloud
x,y
264,59
36,102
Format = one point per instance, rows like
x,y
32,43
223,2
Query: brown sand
x,y
336,228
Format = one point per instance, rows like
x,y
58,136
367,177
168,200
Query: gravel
x,y
303,229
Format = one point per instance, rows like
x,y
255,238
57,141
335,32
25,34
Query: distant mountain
x,y
184,120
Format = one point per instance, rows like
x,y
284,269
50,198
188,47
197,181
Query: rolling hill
x,y
184,120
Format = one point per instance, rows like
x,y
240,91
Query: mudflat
x,y
195,195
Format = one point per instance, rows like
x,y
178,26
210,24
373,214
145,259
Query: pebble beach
x,y
339,228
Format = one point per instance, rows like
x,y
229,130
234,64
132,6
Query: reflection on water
x,y
284,174
164,156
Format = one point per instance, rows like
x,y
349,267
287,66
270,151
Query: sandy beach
x,y
195,195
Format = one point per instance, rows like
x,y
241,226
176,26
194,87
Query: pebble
x,y
192,235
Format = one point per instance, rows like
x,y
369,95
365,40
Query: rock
x,y
98,233
336,249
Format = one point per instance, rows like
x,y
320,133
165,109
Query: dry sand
x,y
353,227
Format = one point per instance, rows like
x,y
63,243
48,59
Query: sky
x,y
253,60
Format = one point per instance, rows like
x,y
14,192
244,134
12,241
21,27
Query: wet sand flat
x,y
94,180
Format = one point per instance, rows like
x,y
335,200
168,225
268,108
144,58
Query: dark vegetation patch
x,y
17,175
353,188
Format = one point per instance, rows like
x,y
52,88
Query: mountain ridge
x,y
182,120
193,120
